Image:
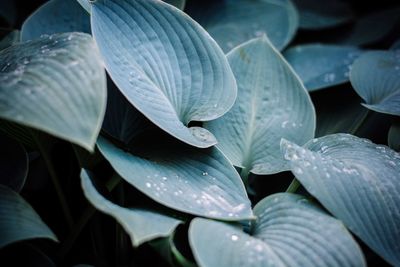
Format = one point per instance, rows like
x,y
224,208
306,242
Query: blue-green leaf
x,y
232,22
289,231
55,84
18,220
320,66
13,164
358,182
10,39
199,182
56,16
178,3
316,14
272,103
142,225
376,78
166,65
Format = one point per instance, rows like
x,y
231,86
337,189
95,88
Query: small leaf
x,y
165,64
290,231
394,136
232,22
376,78
199,182
320,66
56,16
358,182
18,221
316,15
10,39
55,84
272,103
178,3
142,225
13,164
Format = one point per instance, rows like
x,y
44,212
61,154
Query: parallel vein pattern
x,y
166,65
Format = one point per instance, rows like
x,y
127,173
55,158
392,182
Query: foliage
x,y
182,133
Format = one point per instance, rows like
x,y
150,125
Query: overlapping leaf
x,y
18,221
232,22
272,103
376,78
166,65
10,39
320,66
290,231
358,182
315,14
200,182
55,84
56,16
142,225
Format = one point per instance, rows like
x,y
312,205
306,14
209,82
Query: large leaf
x,y
290,231
142,225
358,182
232,22
376,78
200,182
10,39
13,164
56,16
55,84
316,14
178,3
320,66
166,65
122,121
18,221
272,103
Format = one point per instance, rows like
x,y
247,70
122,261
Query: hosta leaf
x,y
10,39
315,14
272,103
166,65
290,231
13,164
55,84
142,225
232,22
56,16
122,121
18,221
200,182
358,182
394,136
320,66
178,3
376,78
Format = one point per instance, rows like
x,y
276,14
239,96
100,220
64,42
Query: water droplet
x,y
205,173
234,238
148,185
329,77
284,124
164,178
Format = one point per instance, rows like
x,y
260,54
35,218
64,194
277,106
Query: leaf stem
x,y
54,177
294,185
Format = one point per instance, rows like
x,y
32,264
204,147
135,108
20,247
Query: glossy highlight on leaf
x,y
233,22
18,220
165,64
56,16
200,182
320,66
358,182
289,231
55,84
376,78
272,103
142,225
